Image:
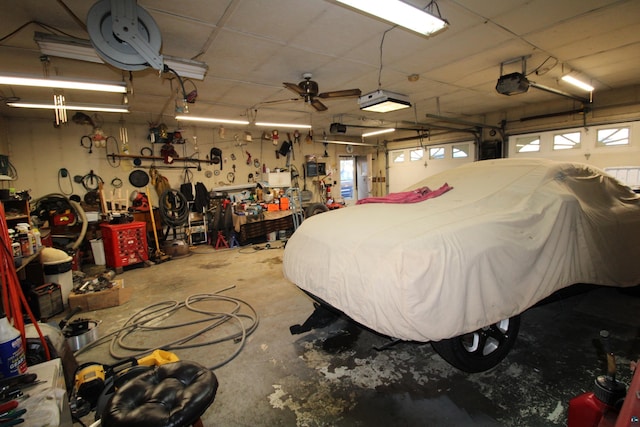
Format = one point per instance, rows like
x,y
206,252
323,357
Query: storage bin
x,y
97,248
48,299
59,271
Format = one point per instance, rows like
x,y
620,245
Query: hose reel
x,y
125,35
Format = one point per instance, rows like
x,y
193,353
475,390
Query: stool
x,y
171,395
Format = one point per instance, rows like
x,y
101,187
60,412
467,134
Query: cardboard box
x,y
115,296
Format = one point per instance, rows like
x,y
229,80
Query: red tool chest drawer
x,y
124,244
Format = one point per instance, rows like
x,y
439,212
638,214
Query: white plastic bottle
x,y
12,356
38,237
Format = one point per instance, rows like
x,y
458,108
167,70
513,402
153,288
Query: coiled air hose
x,y
174,208
148,320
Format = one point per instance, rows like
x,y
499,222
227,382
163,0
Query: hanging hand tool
x,y
293,154
248,157
87,142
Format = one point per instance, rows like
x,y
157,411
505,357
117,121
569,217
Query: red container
x,y
124,244
586,410
284,203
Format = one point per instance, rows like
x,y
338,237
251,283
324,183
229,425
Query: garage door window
x,y
528,144
417,154
566,141
398,157
613,136
460,151
436,153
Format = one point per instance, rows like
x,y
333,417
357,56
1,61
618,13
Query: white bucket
x,y
271,237
60,272
97,248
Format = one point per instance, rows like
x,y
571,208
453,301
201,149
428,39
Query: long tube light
x,y
334,141
211,120
378,132
76,107
283,125
80,49
16,80
577,83
400,13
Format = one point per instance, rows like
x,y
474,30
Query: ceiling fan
x,y
308,89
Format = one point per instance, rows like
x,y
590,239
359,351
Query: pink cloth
x,y
413,196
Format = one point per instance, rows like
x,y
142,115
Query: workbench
x,y
249,227
47,402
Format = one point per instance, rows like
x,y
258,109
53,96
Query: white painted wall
x,y
38,151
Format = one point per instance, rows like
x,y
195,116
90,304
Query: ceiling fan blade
x,y
319,106
340,93
279,101
294,87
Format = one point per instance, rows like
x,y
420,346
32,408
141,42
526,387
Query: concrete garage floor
x,y
312,379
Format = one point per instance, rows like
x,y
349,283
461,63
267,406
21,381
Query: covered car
x,y
458,269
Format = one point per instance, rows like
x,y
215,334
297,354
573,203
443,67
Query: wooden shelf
x,y
16,210
27,260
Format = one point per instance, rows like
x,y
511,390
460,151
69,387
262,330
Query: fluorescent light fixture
x,y
330,141
76,107
190,118
577,83
283,125
378,132
382,101
72,48
400,13
17,80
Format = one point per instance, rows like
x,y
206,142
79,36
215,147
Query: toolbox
x,y
124,244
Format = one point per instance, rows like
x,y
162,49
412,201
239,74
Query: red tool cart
x,y
124,244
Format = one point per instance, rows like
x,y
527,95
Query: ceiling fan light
x,y
400,13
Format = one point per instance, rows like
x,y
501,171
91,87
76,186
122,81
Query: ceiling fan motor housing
x,y
309,87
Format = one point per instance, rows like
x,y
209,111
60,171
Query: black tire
x,y
228,218
217,216
482,349
315,209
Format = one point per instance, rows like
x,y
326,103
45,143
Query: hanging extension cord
x,y
156,313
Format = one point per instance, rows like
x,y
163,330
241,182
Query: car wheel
x,y
316,209
482,349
